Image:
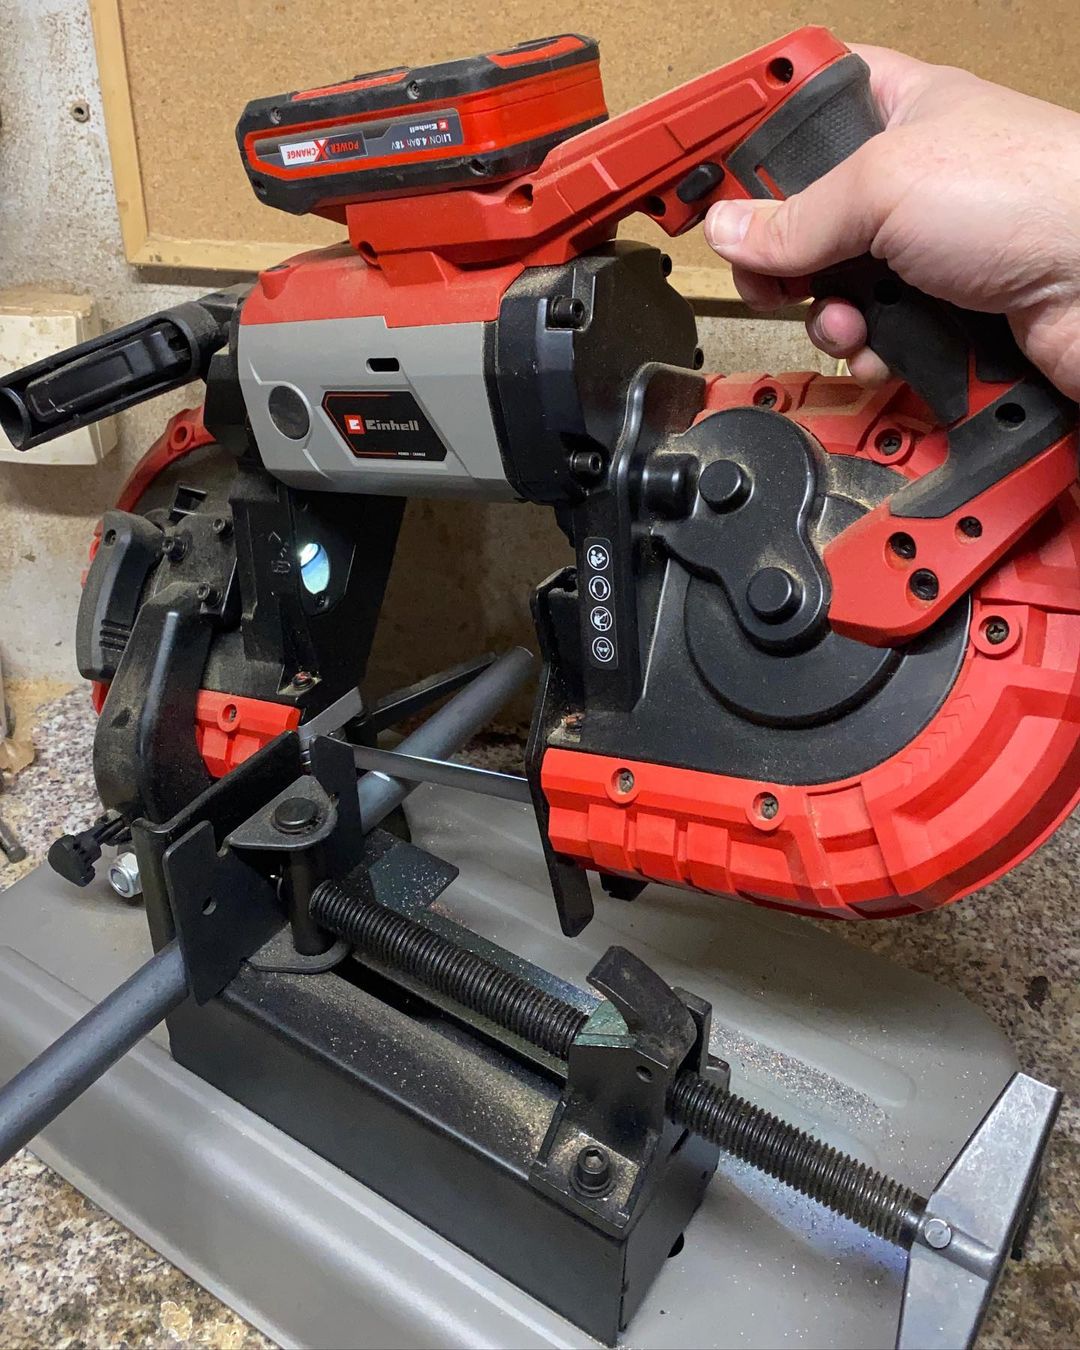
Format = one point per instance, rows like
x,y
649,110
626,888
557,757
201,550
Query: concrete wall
x,y
463,573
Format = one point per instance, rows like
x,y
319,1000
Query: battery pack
x,y
412,130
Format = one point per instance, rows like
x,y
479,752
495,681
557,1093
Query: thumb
x,y
833,219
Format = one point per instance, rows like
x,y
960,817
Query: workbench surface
x,y
71,1276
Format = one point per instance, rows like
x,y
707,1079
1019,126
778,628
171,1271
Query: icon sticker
x,y
601,618
603,649
600,588
598,557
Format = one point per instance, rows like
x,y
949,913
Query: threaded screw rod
x,y
833,1179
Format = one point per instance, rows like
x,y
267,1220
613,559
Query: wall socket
x,y
34,323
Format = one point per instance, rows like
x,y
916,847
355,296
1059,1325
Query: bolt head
x,y
724,485
592,1171
296,815
773,594
937,1233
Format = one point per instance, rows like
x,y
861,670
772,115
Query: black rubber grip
x,y
932,345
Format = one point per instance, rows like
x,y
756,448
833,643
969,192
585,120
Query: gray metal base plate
x,y
881,1062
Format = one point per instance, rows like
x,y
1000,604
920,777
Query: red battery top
x,y
429,128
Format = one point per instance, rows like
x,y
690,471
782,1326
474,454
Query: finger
x,y
835,218
761,292
838,328
757,291
868,368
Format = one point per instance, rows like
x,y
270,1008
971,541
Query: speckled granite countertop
x,y
70,1276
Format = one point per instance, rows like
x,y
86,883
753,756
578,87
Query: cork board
x,y
176,77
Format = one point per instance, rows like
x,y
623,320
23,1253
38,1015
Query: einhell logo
x,y
357,425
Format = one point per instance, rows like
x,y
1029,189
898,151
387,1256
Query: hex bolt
x,y
724,485
174,547
222,527
924,584
592,1173
296,815
124,876
207,593
773,594
624,780
937,1233
566,311
996,631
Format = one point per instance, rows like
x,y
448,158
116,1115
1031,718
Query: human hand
x,y
971,194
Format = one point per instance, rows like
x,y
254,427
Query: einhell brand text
x,y
376,424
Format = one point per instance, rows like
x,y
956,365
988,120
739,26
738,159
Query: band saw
x,y
818,652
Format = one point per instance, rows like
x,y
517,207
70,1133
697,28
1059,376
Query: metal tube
x,y
446,731
70,1065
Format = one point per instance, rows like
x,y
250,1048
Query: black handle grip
x,y
936,347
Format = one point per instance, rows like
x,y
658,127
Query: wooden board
x,y
175,78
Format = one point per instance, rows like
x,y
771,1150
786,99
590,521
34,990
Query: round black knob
x,y
296,815
724,484
773,594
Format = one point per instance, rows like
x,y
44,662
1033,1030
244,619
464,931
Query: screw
x,y
591,1173
222,527
207,593
996,631
937,1233
765,398
587,465
80,110
174,547
412,90
624,780
767,806
574,721
902,545
296,815
970,527
889,442
303,679
566,311
124,876
924,584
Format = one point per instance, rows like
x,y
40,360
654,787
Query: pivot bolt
x,y
996,631
937,1233
773,594
591,1174
724,485
296,815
